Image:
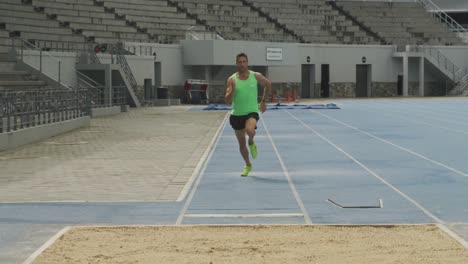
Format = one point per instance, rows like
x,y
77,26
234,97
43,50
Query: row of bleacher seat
x,y
401,22
17,18
315,21
71,24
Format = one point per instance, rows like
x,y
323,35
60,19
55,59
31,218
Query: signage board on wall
x,y
274,54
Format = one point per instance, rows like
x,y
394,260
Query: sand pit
x,y
256,244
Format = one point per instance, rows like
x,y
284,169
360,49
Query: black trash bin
x,y
149,90
162,92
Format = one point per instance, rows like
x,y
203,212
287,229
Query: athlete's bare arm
x,y
229,90
262,80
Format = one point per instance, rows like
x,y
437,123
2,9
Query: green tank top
x,y
245,100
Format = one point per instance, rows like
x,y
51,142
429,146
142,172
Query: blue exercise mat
x,y
277,106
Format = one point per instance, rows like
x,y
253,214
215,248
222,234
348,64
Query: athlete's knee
x,y
250,131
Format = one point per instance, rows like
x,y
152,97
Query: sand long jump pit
x,y
255,244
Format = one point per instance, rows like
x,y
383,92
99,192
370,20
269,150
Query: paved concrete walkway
x,y
146,154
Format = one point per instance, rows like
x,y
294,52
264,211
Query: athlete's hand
x,y
229,91
262,106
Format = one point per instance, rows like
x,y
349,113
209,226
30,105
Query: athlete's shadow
x,y
270,180
282,180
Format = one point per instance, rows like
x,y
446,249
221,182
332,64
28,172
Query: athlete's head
x,y
242,62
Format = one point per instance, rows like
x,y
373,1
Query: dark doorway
x,y
325,85
157,74
362,80
400,85
308,81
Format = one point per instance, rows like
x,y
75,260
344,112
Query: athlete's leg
x,y
250,125
240,135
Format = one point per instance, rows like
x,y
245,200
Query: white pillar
x,y
421,76
405,75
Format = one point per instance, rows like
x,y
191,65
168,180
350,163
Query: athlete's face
x,y
242,64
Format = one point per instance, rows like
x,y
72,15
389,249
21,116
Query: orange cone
x,y
294,95
287,96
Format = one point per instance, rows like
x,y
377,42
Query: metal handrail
x,y
442,16
440,58
122,61
94,58
89,80
29,46
194,34
463,83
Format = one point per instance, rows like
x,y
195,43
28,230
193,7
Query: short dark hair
x,y
242,54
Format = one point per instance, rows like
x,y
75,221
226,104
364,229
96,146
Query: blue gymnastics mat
x,y
277,106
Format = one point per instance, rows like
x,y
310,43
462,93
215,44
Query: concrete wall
x,y
188,60
142,67
344,58
223,52
26,136
106,111
50,64
173,71
341,58
281,74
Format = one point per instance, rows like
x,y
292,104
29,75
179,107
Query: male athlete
x,y
241,92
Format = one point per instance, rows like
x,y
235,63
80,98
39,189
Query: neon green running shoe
x,y
253,150
246,170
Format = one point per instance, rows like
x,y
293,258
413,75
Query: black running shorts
x,y
238,122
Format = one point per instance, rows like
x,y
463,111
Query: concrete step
x,y
20,73
24,84
17,76
52,37
4,53
7,66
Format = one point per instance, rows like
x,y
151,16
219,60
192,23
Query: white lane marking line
x,y
243,215
438,108
370,171
395,145
66,202
418,122
196,171
286,173
443,119
453,235
46,245
202,171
